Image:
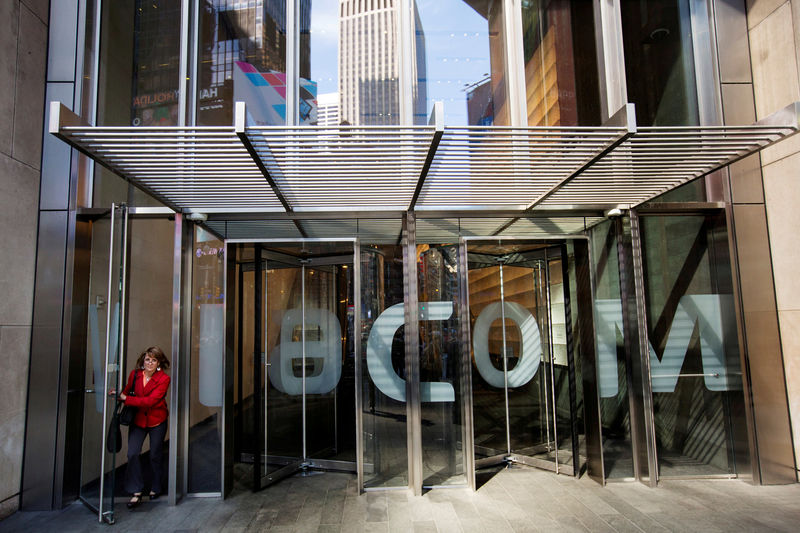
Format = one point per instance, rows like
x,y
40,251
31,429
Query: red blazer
x,y
149,400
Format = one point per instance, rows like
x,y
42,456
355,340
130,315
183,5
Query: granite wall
x,y
23,59
774,32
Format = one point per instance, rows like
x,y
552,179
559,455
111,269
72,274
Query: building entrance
x,y
523,365
295,372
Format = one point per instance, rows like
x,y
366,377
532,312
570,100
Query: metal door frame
x,y
117,363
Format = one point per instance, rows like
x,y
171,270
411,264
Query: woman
x,y
150,385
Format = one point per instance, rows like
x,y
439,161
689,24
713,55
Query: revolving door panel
x,y
303,392
522,408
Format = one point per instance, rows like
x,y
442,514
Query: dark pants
x,y
134,482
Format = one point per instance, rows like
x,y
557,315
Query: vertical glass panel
x,y
488,396
460,60
283,344
139,77
560,63
530,389
560,335
242,57
368,59
320,57
440,366
611,366
205,400
330,363
383,351
659,61
98,469
694,354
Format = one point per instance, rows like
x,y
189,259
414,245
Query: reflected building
x,y
328,109
369,62
246,41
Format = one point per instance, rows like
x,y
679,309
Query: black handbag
x,y
128,412
114,437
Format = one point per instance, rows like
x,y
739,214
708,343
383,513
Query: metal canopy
x,y
346,169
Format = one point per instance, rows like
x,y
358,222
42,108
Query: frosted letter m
x,y
712,313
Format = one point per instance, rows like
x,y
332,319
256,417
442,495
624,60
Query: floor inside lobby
x,y
513,500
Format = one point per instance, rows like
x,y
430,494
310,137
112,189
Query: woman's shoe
x,y
135,501
154,495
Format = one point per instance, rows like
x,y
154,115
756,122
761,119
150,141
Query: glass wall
x,y
460,60
242,58
440,366
138,79
206,367
694,353
368,59
659,61
612,369
383,367
560,63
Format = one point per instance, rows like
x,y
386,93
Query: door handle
x,y
89,391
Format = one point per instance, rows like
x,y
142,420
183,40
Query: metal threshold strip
x,y
356,169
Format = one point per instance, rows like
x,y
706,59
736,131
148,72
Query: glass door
x,y
104,346
304,386
523,411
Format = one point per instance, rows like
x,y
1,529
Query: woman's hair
x,y
156,353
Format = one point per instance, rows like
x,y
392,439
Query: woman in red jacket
x,y
149,397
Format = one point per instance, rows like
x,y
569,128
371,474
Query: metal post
x,y
644,348
358,371
505,357
465,365
265,365
303,345
571,371
551,357
413,408
109,313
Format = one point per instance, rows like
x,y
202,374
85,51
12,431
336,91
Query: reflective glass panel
x,y
659,61
459,60
694,354
206,367
283,345
441,366
560,63
98,473
368,59
139,77
611,367
242,58
383,367
330,361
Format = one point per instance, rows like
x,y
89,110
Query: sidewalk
x,y
515,500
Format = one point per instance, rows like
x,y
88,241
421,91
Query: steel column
x,y
465,365
413,407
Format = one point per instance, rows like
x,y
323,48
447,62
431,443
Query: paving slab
x,y
513,500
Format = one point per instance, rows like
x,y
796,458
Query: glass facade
x,y
241,58
206,365
314,331
459,60
385,432
560,63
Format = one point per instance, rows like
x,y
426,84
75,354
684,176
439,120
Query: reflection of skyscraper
x,y
369,62
328,109
253,32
